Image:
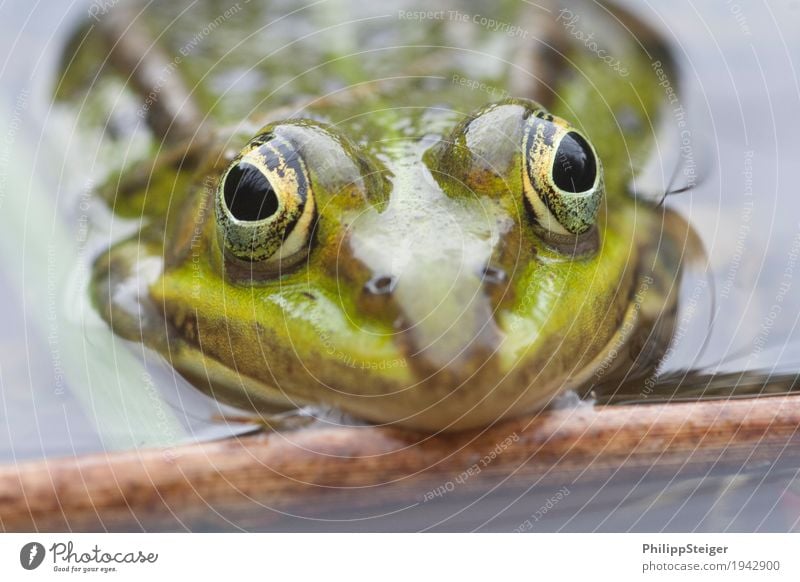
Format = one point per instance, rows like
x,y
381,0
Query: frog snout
x,y
428,257
442,314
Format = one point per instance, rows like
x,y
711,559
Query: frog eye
x,y
264,204
562,176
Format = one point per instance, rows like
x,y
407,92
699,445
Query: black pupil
x,y
248,193
574,169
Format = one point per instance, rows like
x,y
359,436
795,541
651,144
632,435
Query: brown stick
x,y
171,107
249,482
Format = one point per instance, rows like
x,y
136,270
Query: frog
x,y
426,236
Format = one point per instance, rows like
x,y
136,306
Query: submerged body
x,y
403,246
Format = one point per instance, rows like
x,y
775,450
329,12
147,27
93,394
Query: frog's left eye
x,y
264,205
563,177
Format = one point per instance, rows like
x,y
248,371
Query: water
x,y
741,93
67,388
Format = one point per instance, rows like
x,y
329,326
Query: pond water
x,y
66,386
65,380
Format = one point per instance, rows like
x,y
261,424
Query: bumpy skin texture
x,y
429,294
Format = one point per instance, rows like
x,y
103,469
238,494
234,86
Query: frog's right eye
x,y
562,176
264,204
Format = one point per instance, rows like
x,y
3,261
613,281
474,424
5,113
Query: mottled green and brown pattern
x,y
430,293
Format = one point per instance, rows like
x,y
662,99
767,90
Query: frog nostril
x,y
381,285
494,275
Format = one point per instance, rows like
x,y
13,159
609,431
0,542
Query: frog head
x,y
439,275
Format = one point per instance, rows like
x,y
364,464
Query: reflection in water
x,y
740,93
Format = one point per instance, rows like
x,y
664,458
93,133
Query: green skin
x,y
430,192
